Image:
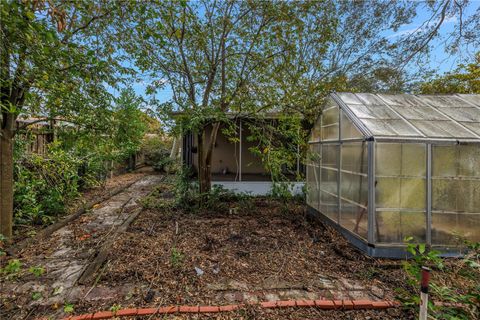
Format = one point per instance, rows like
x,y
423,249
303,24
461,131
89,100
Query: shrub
x,y
44,183
157,152
188,196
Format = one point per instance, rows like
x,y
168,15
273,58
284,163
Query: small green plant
x,y
188,197
37,271
460,301
68,307
281,191
36,296
12,268
176,258
115,308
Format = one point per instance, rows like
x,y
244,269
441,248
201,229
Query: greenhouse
x,y
382,168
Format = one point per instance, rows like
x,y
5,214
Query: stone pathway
x,y
274,289
67,257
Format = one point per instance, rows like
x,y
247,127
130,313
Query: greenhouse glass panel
x,y
455,193
395,226
354,218
329,181
354,157
463,114
400,193
473,126
400,100
329,205
348,129
401,175
472,99
354,180
354,188
330,155
443,101
394,127
362,111
442,129
370,99
415,113
330,118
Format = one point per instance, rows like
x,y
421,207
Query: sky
x,y
440,60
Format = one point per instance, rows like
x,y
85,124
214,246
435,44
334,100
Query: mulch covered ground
x,y
238,251
263,249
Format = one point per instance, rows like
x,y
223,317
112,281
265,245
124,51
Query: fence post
x,y
424,293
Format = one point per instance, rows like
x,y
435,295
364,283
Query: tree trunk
x,y
205,154
6,183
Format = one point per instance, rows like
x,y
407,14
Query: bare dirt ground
x,y
262,250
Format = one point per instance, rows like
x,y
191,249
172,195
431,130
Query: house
x,y
385,167
234,166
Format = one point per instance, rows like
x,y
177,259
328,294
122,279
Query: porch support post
x,y
371,193
240,152
298,155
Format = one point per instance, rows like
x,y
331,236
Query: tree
x,y
464,79
130,120
210,53
57,59
249,57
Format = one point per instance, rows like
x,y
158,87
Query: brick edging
x,y
320,304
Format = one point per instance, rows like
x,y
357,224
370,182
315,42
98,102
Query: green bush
x,y
189,198
157,152
44,184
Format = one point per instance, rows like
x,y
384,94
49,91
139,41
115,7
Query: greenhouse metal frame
x,y
382,168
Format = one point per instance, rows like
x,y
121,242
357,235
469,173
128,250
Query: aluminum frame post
x,y
371,192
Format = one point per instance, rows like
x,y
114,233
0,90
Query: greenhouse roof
x,y
413,116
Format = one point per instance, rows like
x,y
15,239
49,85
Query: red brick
x,y
126,312
305,303
170,309
103,315
325,304
286,303
362,304
208,309
397,304
82,317
188,309
347,304
380,304
269,304
338,304
229,307
147,311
